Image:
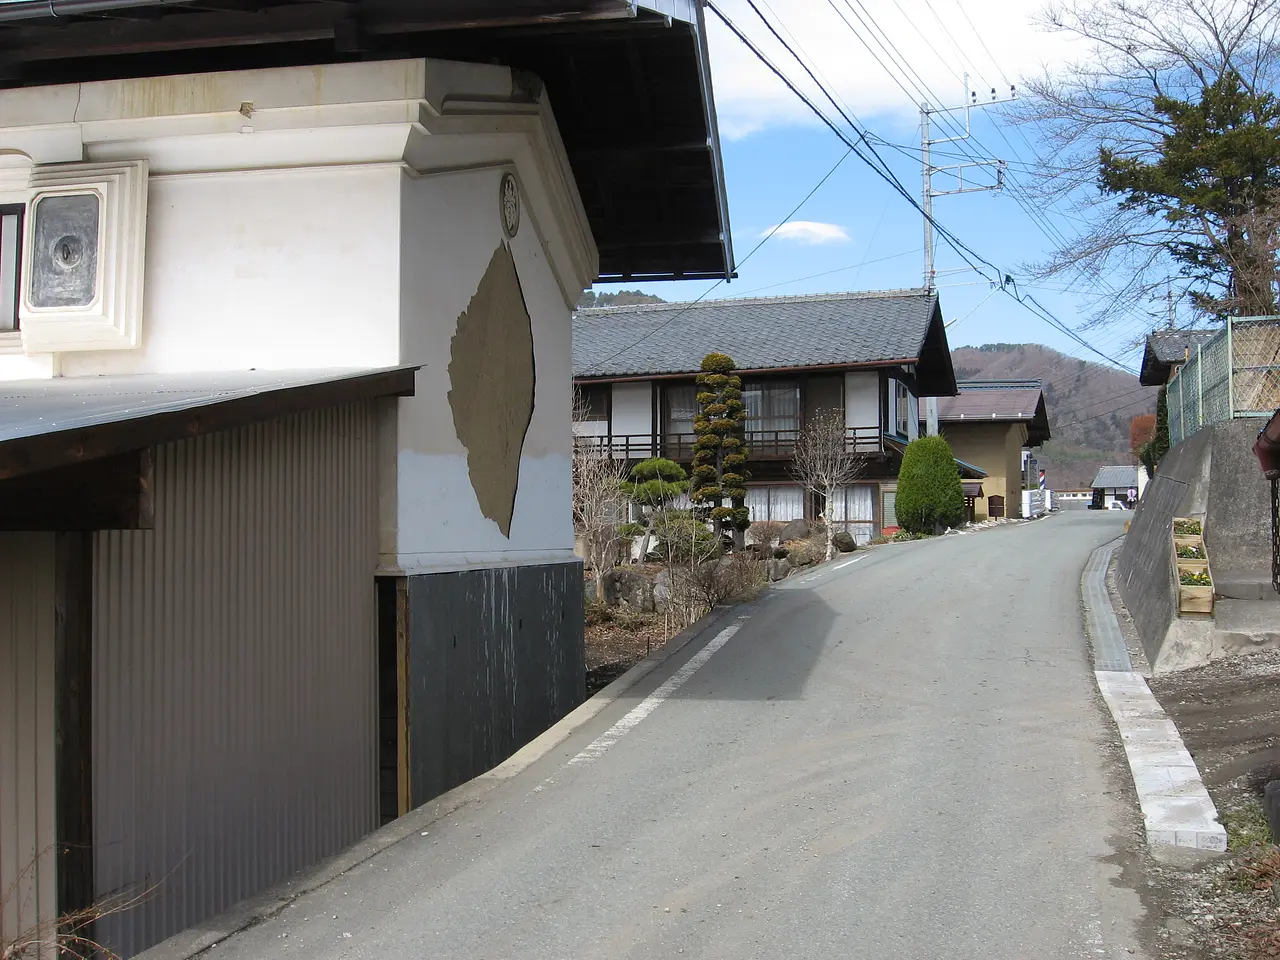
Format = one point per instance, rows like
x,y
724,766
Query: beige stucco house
x,y
989,423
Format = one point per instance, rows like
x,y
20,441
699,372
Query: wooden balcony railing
x,y
762,444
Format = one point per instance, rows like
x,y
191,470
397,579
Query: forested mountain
x,y
1090,404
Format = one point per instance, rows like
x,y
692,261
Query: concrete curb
x,y
1176,808
203,937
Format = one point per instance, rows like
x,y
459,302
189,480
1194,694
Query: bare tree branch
x,y
599,502
1138,50
824,463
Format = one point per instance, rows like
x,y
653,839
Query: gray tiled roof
x,y
759,334
1112,477
1170,346
989,400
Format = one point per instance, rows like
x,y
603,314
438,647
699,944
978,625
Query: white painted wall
x,y
439,525
345,222
862,398
289,269
633,408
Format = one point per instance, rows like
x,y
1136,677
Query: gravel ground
x,y
1228,713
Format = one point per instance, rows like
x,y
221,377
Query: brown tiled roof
x,y
999,401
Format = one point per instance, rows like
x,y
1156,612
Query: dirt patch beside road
x,y
1228,713
616,640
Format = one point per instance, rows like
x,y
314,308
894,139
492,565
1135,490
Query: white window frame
x,y
901,408
113,320
11,237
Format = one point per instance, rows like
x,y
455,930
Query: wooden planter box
x,y
1177,520
1181,541
1192,599
1195,599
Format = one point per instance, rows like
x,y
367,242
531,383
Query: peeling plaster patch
x,y
491,377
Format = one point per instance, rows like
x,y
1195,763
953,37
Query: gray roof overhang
x,y
629,82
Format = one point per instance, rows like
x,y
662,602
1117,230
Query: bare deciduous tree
x,y
1140,52
824,463
599,500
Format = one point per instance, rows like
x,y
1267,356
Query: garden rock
x,y
794,530
631,588
662,590
778,569
844,542
804,553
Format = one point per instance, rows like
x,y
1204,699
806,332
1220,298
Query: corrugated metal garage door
x,y
234,670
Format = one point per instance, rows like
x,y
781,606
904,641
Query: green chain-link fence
x,y
1234,374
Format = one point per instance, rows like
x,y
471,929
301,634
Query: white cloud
x,y
932,37
809,232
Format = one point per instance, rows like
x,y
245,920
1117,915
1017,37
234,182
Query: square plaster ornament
x,y
82,260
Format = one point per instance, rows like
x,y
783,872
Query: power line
x,y
827,273
1003,280
994,62
763,240
1099,416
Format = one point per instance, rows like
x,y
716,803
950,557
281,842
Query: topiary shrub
x,y
683,537
719,459
930,494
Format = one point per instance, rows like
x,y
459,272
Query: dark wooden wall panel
x,y
495,658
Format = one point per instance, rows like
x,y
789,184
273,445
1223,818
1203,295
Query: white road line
x,y
602,743
841,566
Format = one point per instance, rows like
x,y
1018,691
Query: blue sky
x,y
775,152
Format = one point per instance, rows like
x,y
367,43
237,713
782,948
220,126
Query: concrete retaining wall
x,y
1237,528
1213,476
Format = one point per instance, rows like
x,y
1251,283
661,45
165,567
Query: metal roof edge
x,y
141,427
690,11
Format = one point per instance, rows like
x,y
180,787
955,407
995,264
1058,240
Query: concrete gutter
x,y
196,940
1176,808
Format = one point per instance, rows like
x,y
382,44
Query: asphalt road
x,y
900,758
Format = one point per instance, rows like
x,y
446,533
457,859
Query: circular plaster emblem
x,y
509,198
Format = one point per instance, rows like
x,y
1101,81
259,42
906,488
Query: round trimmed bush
x,y
929,491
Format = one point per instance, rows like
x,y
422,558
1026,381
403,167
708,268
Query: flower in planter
x,y
1187,528
1190,552
1195,578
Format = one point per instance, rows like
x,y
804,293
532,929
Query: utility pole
x,y
957,170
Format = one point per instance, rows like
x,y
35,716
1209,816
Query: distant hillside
x,y
623,298
1089,405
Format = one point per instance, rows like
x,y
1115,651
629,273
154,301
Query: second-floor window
x,y
592,402
902,406
10,265
772,406
679,406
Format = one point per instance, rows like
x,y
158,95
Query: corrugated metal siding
x,y
235,670
28,807
495,658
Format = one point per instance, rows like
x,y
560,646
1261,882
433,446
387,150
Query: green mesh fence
x,y
1234,374
1255,375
